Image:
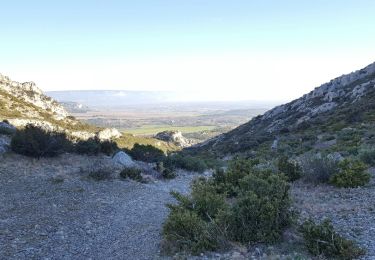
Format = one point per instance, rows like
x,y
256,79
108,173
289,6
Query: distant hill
x,y
75,107
338,116
113,98
126,98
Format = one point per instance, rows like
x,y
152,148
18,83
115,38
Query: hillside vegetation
x,y
338,116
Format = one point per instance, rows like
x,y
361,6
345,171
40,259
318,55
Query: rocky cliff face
x,y
345,100
30,93
24,103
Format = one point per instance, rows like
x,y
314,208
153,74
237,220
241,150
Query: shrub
x,y
352,174
205,200
262,210
228,182
90,146
168,174
108,147
186,162
93,146
184,230
36,142
6,130
291,169
368,156
146,153
317,169
259,211
132,173
101,173
322,239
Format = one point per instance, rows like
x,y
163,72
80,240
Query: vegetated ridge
x,y
338,115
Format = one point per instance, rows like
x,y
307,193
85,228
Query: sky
x,y
216,49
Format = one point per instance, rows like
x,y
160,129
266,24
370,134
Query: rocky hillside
x,y
24,103
338,115
28,92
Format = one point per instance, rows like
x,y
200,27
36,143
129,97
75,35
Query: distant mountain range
x,y
124,98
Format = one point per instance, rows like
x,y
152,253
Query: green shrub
x,y
259,211
6,130
317,169
186,162
321,239
291,169
205,199
368,156
93,146
36,142
90,146
108,147
352,174
146,153
262,210
101,173
228,181
184,230
132,173
168,174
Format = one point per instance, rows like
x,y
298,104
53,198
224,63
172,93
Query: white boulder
x,y
121,158
108,134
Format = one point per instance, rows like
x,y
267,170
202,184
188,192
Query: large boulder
x,y
121,158
108,133
174,137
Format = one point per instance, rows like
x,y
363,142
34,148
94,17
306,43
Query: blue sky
x,y
140,44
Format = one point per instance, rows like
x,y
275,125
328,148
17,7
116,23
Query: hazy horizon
x,y
242,50
127,98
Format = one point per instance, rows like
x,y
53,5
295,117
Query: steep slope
x,y
23,103
338,115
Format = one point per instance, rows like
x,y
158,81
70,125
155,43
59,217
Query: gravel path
x,y
49,210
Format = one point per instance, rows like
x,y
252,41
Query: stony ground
x,y
352,211
50,209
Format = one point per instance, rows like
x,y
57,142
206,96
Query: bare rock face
x,y
108,133
174,137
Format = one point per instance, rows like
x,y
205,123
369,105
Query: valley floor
x,y
50,209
